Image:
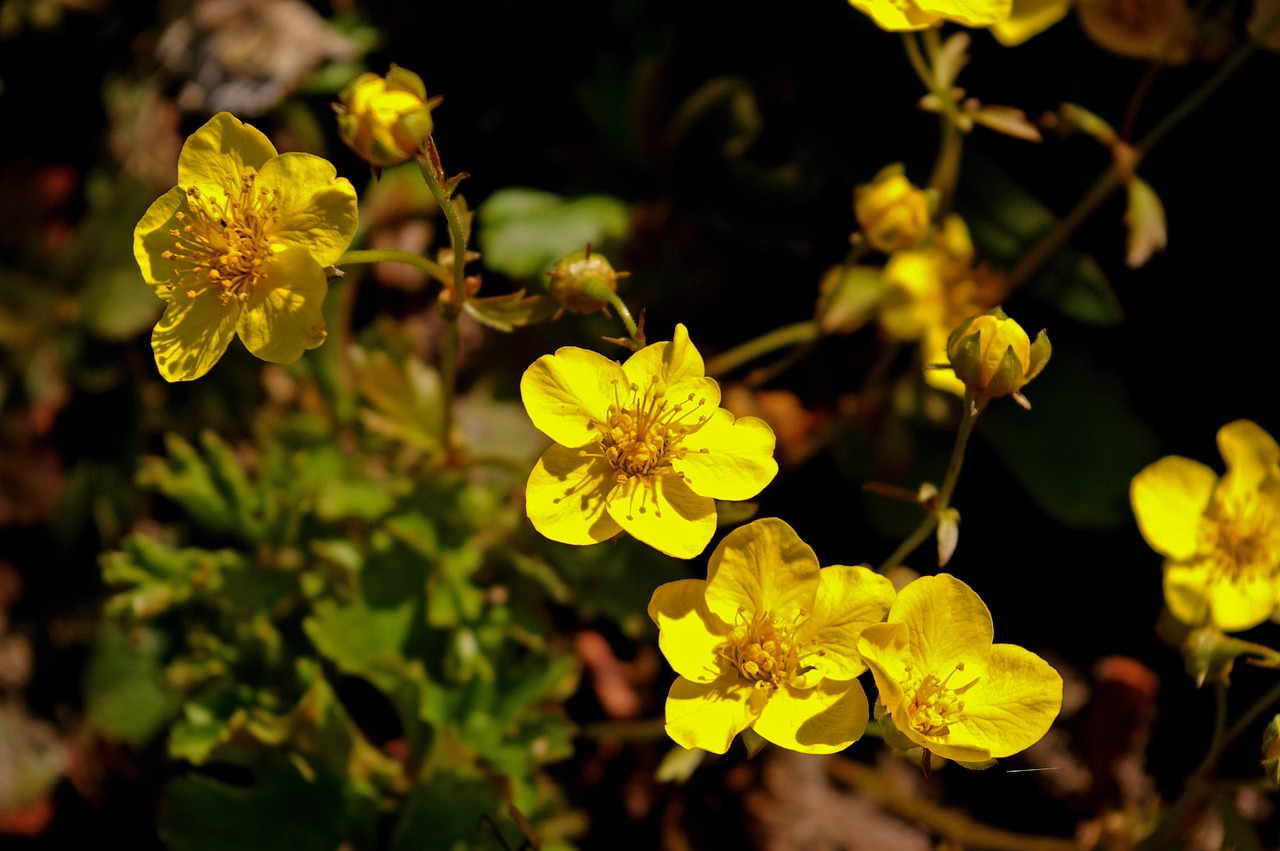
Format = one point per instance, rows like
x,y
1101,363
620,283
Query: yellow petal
x,y
680,368
284,315
885,647
566,393
1029,18
849,599
709,715
1251,454
225,145
1186,591
688,633
662,512
1169,499
912,300
1241,604
971,13
1009,709
151,238
948,622
824,719
318,209
761,567
895,17
566,497
728,458
192,335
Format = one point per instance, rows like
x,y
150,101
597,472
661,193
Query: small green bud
x,y
582,281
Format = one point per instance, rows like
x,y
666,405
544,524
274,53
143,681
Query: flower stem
x,y
392,255
972,407
636,335
795,334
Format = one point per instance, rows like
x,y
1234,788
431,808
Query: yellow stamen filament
x,y
764,651
934,705
642,431
223,244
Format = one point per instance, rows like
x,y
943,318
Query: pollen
x,y
1244,537
643,429
223,243
764,651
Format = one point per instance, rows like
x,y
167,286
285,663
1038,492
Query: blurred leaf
x,y
524,231
1238,833
507,312
125,695
279,810
1080,445
212,488
449,813
357,637
1006,221
162,576
405,398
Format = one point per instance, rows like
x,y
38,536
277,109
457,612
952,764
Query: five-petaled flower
x,y
641,447
947,688
1220,536
768,642
240,246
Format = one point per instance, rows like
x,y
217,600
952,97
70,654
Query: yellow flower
x,y
239,246
768,642
386,119
642,447
993,356
899,15
1029,18
1220,536
946,687
892,211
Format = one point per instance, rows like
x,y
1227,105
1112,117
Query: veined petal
x,y
317,208
193,334
762,567
849,600
709,715
947,620
824,719
662,512
1186,590
1243,603
566,497
151,239
680,367
1251,454
568,392
885,647
225,145
284,315
1169,499
1009,709
728,458
689,635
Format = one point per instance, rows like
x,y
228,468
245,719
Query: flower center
x,y
223,244
1245,537
764,651
642,432
935,705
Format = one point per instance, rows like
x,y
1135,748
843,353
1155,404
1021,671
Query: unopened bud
x,y
582,281
387,119
992,355
892,212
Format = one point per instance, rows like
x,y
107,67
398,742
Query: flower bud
x,y
387,119
993,356
581,281
892,212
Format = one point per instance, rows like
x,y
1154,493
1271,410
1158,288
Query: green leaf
x,y
125,694
1005,221
507,312
279,810
449,813
1078,447
524,231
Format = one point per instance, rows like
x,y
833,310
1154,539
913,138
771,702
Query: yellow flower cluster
x,y
772,642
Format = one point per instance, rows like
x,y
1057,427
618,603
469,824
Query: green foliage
x,y
523,232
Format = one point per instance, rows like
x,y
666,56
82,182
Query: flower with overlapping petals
x,y
1220,536
768,642
947,688
642,447
240,246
